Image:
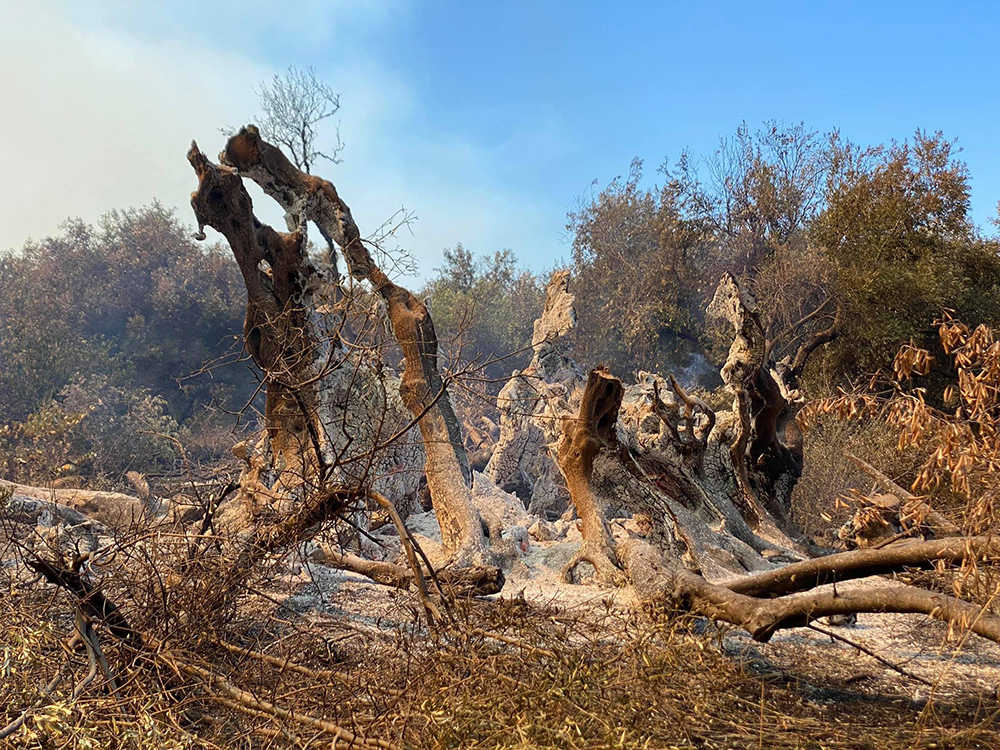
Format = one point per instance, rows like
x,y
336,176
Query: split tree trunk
x,y
325,410
220,202
691,470
532,405
291,344
670,456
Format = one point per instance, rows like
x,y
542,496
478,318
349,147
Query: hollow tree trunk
x,y
717,489
531,406
764,466
325,411
667,570
423,390
282,333
672,458
584,438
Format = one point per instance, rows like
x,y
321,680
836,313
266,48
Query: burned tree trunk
x,y
532,404
291,347
717,488
764,466
291,344
584,438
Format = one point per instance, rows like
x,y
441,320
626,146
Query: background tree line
x,y
117,337
102,331
872,241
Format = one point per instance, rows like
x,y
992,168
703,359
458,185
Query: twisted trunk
x,y
717,488
288,341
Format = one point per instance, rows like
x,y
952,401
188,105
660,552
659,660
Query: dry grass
x,y
542,678
828,474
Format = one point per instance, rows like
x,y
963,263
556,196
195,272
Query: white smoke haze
x,y
102,99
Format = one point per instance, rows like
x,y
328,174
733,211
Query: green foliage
x,y
897,227
134,298
484,309
124,429
873,242
643,271
91,429
111,322
42,447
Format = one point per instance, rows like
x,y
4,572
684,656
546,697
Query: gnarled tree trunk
x,y
531,406
717,488
288,341
294,346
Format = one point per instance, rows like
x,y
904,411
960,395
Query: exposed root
x,y
604,560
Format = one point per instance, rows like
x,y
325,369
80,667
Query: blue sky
x,y
489,120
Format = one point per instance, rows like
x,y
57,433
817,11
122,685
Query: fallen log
x,y
112,509
660,583
475,580
865,563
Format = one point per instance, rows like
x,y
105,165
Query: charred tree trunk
x,y
287,339
281,347
666,572
765,468
531,407
325,411
584,438
717,488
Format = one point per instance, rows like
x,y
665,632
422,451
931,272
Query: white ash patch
x,y
496,506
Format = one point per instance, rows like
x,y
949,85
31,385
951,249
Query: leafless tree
x,y
293,106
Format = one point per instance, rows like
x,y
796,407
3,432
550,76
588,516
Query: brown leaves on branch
x,y
957,430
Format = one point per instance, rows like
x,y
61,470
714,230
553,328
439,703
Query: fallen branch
x,y
93,603
657,582
319,675
476,580
864,563
243,699
872,654
112,509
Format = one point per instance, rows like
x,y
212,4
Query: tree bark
x,y
660,582
111,509
326,411
582,441
531,407
423,390
691,470
283,335
845,566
